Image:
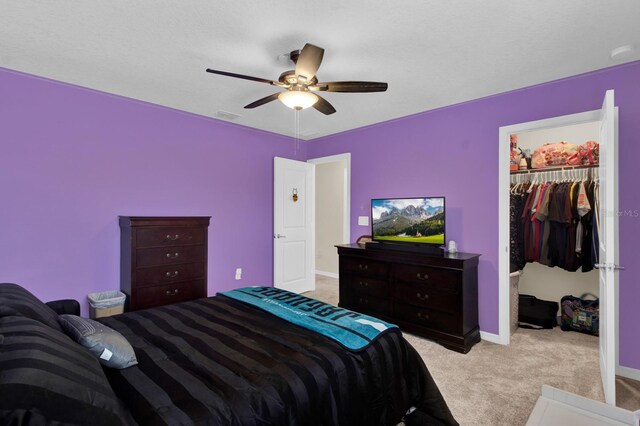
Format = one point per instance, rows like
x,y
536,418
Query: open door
x,y
606,215
293,225
607,218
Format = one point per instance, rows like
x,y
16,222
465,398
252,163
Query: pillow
x,y
46,378
110,347
17,301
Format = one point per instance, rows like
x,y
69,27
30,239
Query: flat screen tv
x,y
408,220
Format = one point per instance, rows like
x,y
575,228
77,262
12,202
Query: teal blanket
x,y
352,330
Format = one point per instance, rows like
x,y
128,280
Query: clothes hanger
x,y
517,185
533,182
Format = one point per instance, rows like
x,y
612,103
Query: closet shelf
x,y
552,169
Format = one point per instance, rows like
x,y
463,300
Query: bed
x,y
215,361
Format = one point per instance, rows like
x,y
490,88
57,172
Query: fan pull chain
x,y
296,130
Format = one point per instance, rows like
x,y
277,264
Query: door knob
x,y
609,266
280,236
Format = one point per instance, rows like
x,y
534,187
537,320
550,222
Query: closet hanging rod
x,y
551,169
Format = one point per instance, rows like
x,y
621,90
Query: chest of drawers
x,y
163,259
432,295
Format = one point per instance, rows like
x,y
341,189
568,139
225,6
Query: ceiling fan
x,y
302,82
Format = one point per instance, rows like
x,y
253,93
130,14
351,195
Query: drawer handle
x,y
173,256
363,267
176,237
423,316
364,284
421,297
364,301
422,277
170,275
171,292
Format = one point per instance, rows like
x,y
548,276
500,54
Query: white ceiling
x,y
432,53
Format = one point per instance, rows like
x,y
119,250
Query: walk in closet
x,y
553,215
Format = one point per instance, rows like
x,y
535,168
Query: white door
x,y
608,253
293,225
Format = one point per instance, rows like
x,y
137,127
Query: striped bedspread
x,y
352,330
218,361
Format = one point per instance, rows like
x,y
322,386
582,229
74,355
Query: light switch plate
x,y
363,220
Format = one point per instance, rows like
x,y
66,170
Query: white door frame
x,y
504,333
346,224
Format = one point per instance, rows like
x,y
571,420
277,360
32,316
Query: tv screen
x,y
408,220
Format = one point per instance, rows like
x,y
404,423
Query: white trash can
x,y
106,303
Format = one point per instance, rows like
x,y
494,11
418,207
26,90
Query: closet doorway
x,y
333,199
604,124
537,278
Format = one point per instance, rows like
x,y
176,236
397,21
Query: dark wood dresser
x,y
163,259
431,295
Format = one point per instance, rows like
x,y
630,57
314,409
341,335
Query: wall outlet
x,y
363,220
238,273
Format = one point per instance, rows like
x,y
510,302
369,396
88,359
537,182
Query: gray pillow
x,y
109,346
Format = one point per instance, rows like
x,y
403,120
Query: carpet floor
x,y
499,385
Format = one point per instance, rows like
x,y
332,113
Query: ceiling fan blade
x,y
352,86
263,101
323,106
309,61
245,77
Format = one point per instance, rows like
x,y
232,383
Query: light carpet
x,y
499,385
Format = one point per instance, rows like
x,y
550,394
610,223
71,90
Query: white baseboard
x,y
629,373
490,337
327,274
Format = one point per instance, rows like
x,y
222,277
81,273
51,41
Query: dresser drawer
x,y
365,267
168,274
160,237
169,255
147,297
446,279
367,285
429,318
428,296
368,304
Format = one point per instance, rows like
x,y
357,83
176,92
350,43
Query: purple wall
x,y
453,152
73,159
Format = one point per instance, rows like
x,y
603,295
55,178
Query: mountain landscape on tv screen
x,y
411,223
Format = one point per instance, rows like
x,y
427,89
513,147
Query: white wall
x,y
540,280
329,214
576,134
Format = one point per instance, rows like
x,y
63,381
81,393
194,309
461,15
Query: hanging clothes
x,y
516,231
542,215
554,222
595,243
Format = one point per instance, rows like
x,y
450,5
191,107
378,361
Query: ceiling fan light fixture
x,y
300,81
296,99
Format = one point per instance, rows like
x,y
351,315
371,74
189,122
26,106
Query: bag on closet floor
x,y
537,313
580,314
